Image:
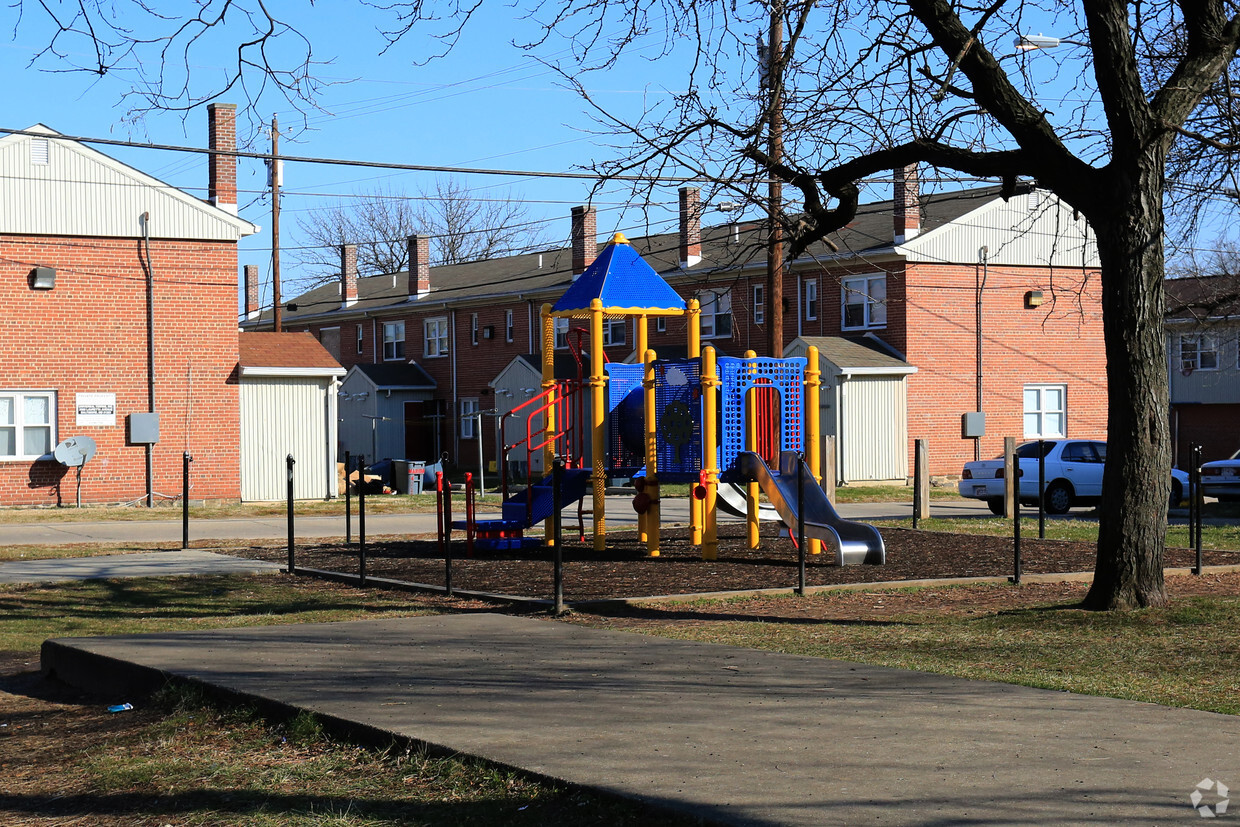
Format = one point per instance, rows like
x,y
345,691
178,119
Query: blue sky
x,y
486,104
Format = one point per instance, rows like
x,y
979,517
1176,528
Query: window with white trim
x,y
27,424
561,333
660,325
865,302
811,300
1045,411
759,303
469,413
473,328
613,332
393,341
435,337
361,338
716,315
508,326
1198,351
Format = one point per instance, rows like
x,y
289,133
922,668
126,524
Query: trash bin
x,y
417,472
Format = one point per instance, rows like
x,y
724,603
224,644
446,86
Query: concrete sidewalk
x,y
150,564
735,736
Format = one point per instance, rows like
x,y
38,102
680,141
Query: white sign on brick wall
x,y
96,409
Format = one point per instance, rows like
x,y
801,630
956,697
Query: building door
x,y
424,430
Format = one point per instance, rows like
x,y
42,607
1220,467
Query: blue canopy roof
x,y
624,283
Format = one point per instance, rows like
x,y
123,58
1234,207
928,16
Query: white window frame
x,y
610,328
361,338
1199,351
811,300
473,329
562,325
469,412
713,312
1041,411
18,427
660,324
508,326
759,304
397,350
863,286
435,337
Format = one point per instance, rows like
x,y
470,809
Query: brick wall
x,y
1057,343
89,335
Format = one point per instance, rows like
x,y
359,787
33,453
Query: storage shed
x,y
864,406
288,406
388,411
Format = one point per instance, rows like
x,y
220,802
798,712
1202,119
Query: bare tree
x,y
462,226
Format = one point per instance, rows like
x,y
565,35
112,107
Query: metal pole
x,y
447,529
482,477
186,459
918,494
289,462
361,520
348,502
800,524
557,482
1196,474
1016,527
1041,488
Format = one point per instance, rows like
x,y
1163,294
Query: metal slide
x,y
852,542
732,500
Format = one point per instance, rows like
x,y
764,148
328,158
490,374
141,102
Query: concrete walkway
x,y
733,735
149,564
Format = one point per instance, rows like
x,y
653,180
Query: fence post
x,y
1012,462
186,459
1011,472
557,482
348,502
289,462
921,481
801,524
361,520
1041,488
1195,522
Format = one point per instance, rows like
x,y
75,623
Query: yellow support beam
x,y
598,405
642,340
548,387
751,444
710,442
813,386
652,457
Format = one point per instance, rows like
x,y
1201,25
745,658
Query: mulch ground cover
x,y
624,569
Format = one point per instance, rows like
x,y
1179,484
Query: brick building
x,y
80,233
909,279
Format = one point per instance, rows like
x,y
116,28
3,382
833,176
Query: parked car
x,y
1221,478
1073,476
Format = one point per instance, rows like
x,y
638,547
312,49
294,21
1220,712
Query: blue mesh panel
x,y
678,415
738,376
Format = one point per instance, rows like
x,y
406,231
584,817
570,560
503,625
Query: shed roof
x,y
855,355
267,353
394,375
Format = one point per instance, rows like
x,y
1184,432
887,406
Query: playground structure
x,y
705,420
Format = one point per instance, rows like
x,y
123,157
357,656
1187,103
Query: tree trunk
x,y
1132,524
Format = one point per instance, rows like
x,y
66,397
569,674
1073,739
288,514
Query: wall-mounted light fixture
x,y
1033,299
42,278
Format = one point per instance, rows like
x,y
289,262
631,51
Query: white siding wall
x,y
279,417
871,432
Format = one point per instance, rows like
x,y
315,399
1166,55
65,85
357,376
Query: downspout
x,y
800,306
150,354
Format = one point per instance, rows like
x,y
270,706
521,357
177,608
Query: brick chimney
x,y
222,169
585,239
690,226
250,280
906,204
419,266
348,275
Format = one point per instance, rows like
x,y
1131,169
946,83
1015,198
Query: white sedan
x,y
1221,478
1073,476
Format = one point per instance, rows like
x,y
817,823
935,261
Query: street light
x,y
1029,42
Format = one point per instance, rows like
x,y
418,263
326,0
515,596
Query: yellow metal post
x,y
598,404
693,315
642,337
652,458
710,402
548,387
751,444
813,385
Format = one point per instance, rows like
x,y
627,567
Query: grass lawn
x,y
1212,536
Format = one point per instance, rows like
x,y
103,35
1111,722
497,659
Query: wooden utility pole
x,y
275,224
775,240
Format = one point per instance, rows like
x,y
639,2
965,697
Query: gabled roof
x,y
80,191
397,376
851,356
1203,298
623,283
284,354
954,226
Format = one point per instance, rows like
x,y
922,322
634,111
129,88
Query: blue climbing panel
x,y
678,418
625,419
786,376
